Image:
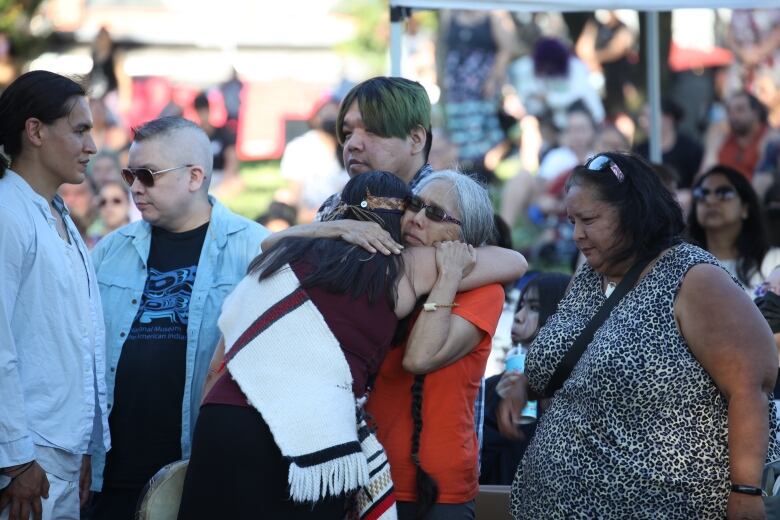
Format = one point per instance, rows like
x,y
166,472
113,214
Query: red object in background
x,y
265,109
152,94
681,59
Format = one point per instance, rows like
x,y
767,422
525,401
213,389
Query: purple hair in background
x,y
551,57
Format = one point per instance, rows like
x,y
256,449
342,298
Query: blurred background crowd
x,y
519,98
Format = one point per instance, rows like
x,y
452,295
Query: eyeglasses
x,y
435,213
146,176
599,162
114,201
721,193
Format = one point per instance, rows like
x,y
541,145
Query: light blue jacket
x,y
120,262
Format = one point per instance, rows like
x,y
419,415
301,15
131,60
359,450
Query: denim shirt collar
x,y
220,227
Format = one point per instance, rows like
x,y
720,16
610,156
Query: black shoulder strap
x,y
564,368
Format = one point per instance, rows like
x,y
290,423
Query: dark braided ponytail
x,y
427,489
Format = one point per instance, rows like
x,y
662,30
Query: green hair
x,y
390,107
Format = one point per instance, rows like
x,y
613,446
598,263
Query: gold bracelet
x,y
432,306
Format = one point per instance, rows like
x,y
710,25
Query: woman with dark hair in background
x,y
727,221
538,301
114,206
304,333
663,410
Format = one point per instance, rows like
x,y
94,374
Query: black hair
x,y
340,267
672,109
551,287
502,236
650,218
752,242
40,94
278,210
667,174
201,101
390,107
755,104
426,487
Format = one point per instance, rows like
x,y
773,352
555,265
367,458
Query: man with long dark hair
x,y
53,406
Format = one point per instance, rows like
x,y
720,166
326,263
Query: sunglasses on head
x,y
146,176
434,213
721,193
601,162
114,201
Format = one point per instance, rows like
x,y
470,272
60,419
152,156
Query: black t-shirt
x,y
222,139
685,157
146,418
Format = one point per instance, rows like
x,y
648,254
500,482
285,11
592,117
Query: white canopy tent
x,y
398,10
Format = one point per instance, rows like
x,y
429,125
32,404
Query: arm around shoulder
x,y
493,265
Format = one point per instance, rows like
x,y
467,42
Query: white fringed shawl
x,y
289,364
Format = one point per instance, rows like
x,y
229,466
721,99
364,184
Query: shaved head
x,y
183,142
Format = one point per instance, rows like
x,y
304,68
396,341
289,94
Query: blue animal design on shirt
x,y
167,295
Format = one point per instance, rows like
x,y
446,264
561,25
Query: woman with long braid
x,y
304,332
427,422
423,403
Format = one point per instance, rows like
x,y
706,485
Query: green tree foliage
x,y
372,37
15,16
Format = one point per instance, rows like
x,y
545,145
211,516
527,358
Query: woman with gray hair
x,y
433,374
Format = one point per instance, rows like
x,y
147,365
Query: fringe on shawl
x,y
330,478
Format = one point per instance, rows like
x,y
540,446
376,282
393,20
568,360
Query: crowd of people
x,y
333,364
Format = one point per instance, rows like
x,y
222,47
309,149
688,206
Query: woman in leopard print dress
x,y
669,407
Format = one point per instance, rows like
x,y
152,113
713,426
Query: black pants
x,y
114,504
236,471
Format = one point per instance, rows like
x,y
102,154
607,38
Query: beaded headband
x,y
369,206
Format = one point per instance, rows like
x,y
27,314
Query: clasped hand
x,y
455,258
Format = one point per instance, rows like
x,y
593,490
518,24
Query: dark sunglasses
x,y
721,193
601,162
146,176
434,213
114,201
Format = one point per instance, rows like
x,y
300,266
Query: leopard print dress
x,y
639,429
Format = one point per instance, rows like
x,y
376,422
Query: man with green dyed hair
x,y
384,123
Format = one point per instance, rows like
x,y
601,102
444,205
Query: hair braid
x,y
427,489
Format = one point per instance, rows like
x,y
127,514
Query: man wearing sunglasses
x,y
162,281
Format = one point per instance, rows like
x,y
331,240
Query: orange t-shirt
x,y
448,443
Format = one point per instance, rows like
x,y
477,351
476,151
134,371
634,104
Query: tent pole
x,y
654,85
397,16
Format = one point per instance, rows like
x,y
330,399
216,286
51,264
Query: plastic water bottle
x,y
515,362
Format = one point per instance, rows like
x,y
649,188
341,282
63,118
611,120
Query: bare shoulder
x,y
710,298
703,280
